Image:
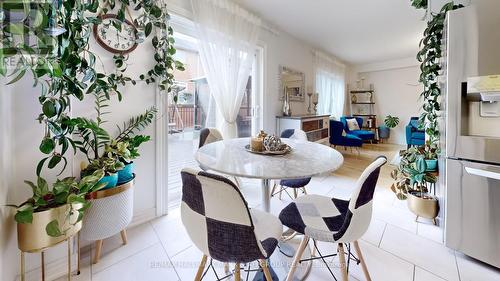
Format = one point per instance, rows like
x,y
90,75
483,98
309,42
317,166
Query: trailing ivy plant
x,y
64,67
430,58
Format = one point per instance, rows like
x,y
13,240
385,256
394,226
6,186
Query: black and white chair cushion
x,y
330,219
292,183
209,135
334,220
219,222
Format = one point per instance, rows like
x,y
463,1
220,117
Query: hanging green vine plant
x,y
51,42
430,58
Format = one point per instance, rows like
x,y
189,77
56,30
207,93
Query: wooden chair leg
x,y
265,268
295,193
343,265
281,191
201,268
237,275
98,248
123,233
304,190
362,261
296,259
226,268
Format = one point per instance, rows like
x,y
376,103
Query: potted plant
x,y
430,152
52,215
126,151
109,166
390,122
411,180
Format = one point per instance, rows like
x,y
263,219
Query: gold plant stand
x,y
42,254
32,237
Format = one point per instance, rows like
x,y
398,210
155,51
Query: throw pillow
x,y
352,124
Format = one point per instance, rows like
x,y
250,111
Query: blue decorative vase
x,y
109,180
431,164
127,173
384,132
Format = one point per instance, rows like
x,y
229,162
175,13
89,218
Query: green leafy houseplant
x,y
411,176
104,153
65,68
66,191
127,149
419,4
391,121
429,56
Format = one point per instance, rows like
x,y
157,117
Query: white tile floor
x,y
395,246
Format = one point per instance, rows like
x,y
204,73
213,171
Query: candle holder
x,y
309,107
315,98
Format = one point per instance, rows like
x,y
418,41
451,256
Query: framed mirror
x,y
293,82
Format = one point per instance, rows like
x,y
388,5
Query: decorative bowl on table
x,y
270,145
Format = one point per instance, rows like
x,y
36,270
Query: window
x,y
330,85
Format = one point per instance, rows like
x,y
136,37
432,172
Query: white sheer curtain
x,y
227,38
330,85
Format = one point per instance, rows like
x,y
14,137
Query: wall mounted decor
x,y
293,83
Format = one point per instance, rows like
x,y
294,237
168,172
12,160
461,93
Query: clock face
x,y
114,40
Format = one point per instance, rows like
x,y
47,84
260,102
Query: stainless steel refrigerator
x,y
472,131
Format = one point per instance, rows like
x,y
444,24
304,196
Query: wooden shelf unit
x,y
364,98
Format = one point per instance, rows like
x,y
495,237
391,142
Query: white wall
x,y
397,93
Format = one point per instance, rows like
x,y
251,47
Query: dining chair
x,y
294,184
321,218
210,135
222,227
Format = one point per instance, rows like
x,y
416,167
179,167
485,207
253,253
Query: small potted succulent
x,y
411,180
53,214
390,122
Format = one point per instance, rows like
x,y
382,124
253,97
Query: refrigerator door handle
x,y
483,173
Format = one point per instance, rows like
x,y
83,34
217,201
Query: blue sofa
x,y
336,137
365,135
414,136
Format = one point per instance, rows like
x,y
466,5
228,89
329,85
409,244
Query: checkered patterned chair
x,y
334,220
294,184
220,224
209,135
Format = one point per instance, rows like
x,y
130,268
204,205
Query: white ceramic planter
x,y
111,212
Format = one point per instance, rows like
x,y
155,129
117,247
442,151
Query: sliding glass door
x,y
191,108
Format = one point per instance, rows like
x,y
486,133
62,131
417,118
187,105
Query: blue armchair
x,y
365,135
336,137
414,136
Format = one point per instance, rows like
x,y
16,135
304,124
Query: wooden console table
x,y
317,127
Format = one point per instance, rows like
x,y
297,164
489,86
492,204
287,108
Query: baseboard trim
x,y
59,267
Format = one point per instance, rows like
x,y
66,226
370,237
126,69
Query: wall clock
x,y
114,40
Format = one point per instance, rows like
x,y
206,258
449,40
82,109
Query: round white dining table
x,y
306,159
